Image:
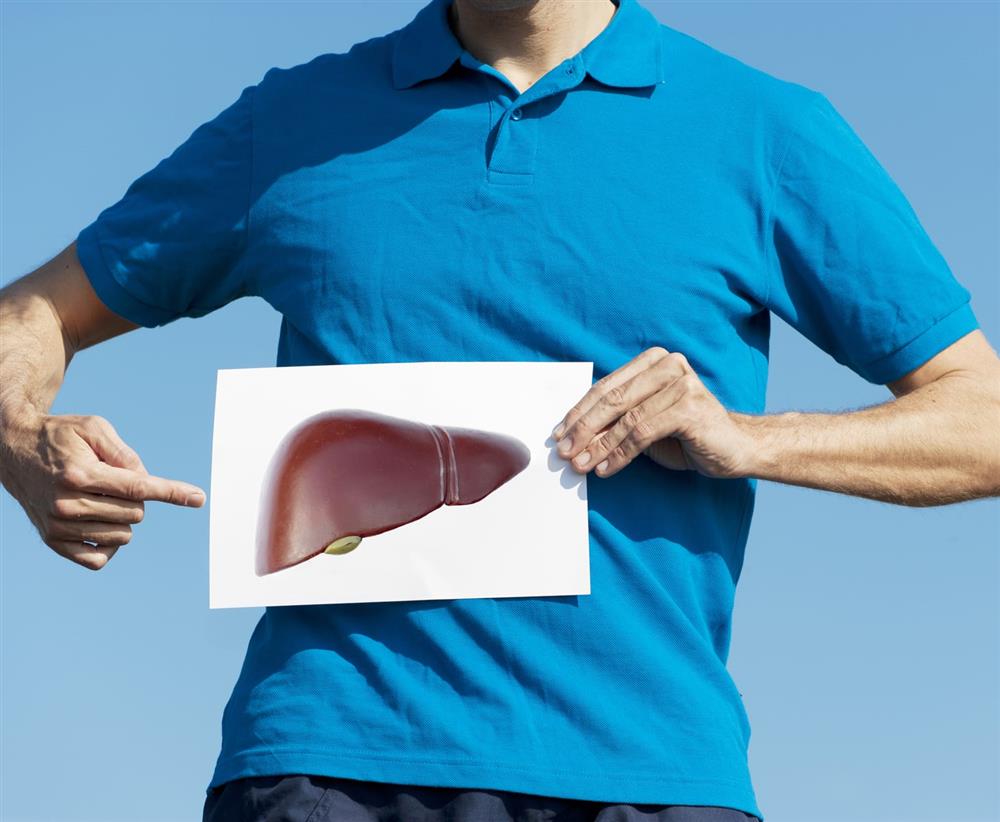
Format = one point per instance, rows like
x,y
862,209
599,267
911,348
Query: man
x,y
524,180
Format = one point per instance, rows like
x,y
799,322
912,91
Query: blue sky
x,y
866,636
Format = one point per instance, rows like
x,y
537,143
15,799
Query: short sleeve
x,y
849,264
174,245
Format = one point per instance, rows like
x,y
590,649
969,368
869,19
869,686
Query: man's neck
x,y
524,40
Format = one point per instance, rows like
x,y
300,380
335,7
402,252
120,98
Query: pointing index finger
x,y
134,485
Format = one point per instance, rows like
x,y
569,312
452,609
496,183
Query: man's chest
x,y
631,237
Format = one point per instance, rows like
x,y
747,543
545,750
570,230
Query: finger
x,y
93,557
127,484
103,533
658,421
617,403
615,379
87,506
101,435
643,396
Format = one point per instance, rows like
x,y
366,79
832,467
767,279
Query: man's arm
x,y
938,442
77,481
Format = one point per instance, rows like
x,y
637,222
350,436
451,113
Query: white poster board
x,y
528,537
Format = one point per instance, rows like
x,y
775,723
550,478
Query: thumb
x,y
109,446
669,452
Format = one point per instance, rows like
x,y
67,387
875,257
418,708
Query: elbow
x,y
983,462
989,475
976,412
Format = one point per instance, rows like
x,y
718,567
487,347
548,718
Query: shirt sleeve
x,y
174,245
849,264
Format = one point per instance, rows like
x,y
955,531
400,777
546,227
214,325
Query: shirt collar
x,y
628,52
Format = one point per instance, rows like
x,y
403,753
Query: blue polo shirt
x,y
402,201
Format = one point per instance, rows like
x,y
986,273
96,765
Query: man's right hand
x,y
79,483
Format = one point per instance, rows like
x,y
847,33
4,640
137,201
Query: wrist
x,y
763,440
18,422
18,417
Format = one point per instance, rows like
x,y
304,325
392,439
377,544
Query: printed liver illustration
x,y
344,474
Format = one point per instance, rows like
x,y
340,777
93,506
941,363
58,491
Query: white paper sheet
x,y
529,537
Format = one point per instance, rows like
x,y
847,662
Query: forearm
x,y
34,356
933,446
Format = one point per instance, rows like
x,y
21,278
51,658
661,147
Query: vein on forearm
x,y
34,354
935,445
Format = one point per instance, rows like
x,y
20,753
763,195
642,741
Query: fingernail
x,y
582,458
566,445
195,497
602,466
558,430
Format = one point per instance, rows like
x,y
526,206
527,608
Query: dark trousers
x,y
305,798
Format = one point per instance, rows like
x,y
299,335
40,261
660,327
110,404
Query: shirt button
x,y
515,114
569,69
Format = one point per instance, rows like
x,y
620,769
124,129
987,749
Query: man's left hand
x,y
655,404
